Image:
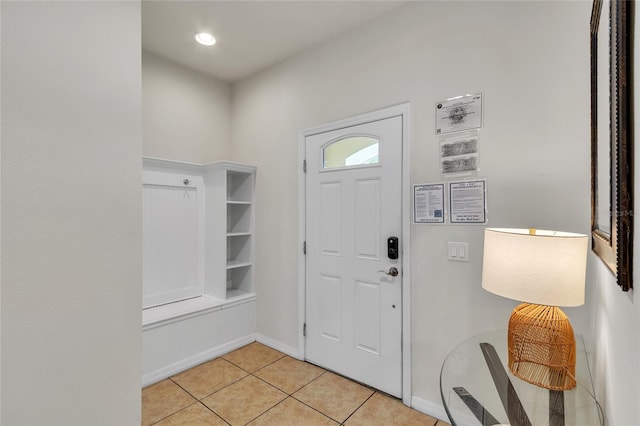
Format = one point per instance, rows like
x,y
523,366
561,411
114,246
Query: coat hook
x,y
186,181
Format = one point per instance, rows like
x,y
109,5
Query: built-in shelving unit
x,y
234,208
239,230
222,316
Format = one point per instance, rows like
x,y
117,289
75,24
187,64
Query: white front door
x,y
353,208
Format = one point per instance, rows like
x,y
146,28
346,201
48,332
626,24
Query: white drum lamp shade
x,y
545,268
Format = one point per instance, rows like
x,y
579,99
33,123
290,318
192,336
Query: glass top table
x,y
475,394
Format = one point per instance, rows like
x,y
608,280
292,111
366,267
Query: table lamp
x,y
544,269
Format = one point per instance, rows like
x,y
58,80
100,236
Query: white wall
x,y
71,213
616,361
0,212
531,62
185,114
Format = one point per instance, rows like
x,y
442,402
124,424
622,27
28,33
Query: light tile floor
x,y
257,385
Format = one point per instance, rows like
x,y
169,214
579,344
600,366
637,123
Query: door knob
x,y
393,271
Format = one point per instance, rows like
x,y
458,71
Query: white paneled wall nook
x,y
198,294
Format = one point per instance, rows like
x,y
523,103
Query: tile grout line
x,y
266,411
199,400
184,408
175,412
264,366
269,384
290,395
214,413
178,384
217,390
314,409
283,390
254,342
359,407
249,373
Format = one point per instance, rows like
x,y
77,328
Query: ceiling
x,y
251,35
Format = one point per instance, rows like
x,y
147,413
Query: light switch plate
x,y
458,251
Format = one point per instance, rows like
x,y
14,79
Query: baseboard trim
x,y
429,408
192,361
279,346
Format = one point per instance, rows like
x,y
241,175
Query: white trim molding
x,y
185,364
402,110
279,346
430,408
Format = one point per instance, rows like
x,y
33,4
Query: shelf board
x,y
175,311
233,264
238,234
242,203
234,295
232,233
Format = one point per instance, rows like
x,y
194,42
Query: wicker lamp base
x,y
542,348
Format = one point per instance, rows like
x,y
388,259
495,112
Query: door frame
x,y
403,111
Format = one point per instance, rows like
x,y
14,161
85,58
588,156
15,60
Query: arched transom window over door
x,y
350,151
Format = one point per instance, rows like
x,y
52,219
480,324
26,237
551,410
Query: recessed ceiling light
x,y
205,39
